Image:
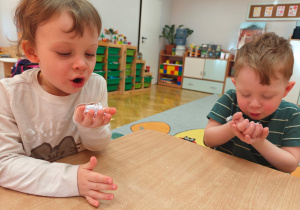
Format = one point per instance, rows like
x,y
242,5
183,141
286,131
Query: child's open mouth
x,y
77,82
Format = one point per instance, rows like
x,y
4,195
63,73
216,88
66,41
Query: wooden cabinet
x,y
171,68
204,74
228,75
6,65
119,66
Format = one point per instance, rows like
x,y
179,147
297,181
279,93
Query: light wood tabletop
x,y
156,171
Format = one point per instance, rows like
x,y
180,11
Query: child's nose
x,y
254,102
80,64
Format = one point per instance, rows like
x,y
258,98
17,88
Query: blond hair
x,y
32,13
267,55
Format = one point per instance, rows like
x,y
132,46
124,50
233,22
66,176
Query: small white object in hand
x,y
228,119
94,107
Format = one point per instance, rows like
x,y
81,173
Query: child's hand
x,y
91,184
90,120
246,131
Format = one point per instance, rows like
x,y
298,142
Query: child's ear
x,y
289,87
30,52
233,81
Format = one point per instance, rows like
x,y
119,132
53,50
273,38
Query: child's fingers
x,y
110,110
250,129
237,116
265,133
79,114
91,164
92,201
258,130
88,118
243,125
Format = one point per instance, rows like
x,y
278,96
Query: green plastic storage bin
x,y
130,52
100,50
113,73
128,86
128,80
112,88
99,66
128,72
100,73
113,51
113,58
138,85
113,66
146,84
147,79
99,58
138,72
139,66
129,59
128,66
114,81
138,79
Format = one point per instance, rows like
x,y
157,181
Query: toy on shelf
x,y
111,32
194,51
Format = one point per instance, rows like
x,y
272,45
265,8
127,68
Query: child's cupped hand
x,y
89,119
92,184
248,132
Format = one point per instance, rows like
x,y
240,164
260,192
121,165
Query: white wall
x,y
120,15
7,28
218,21
117,14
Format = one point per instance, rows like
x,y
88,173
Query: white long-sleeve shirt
x,y
37,128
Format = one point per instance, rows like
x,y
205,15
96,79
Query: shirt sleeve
x,y
26,174
291,137
223,107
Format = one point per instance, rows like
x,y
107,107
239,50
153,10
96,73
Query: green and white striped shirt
x,y
284,127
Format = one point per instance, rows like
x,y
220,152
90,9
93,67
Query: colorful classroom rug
x,y
186,121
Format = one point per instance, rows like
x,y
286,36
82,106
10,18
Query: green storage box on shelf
x,y
139,66
113,51
129,59
138,79
138,72
130,52
113,66
113,81
128,66
138,85
128,72
128,86
112,88
100,73
128,79
99,66
100,50
113,73
99,58
147,79
113,58
146,84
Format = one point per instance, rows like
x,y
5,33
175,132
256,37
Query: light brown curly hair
x,y
267,55
32,13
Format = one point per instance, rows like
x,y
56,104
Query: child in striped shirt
x,y
264,128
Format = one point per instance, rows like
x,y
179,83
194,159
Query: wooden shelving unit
x,y
119,66
228,75
171,70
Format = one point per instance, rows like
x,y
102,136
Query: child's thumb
x,y
91,164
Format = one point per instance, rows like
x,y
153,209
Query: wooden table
x,y
156,171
